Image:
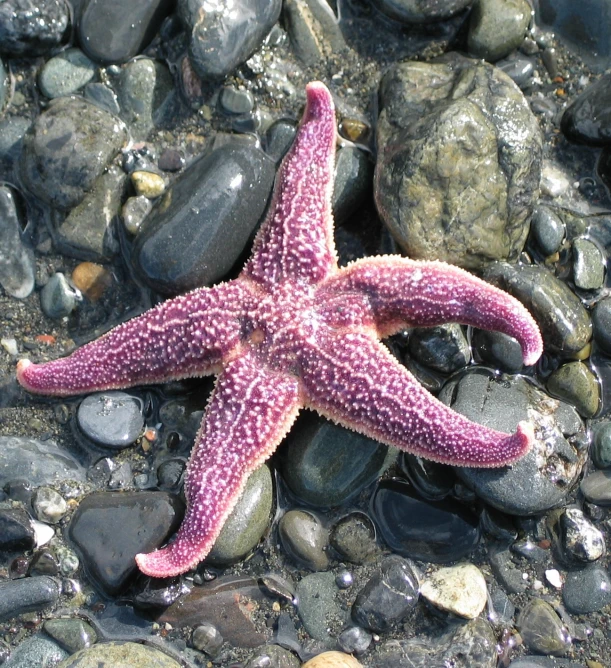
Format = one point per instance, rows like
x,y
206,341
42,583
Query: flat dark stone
x,y
113,31
205,220
16,532
110,528
434,531
588,119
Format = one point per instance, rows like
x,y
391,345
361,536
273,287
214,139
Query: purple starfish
x,y
293,331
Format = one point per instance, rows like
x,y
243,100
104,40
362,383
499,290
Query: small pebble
x,y
332,660
304,538
66,73
134,211
234,101
582,540
91,279
148,184
113,419
57,298
49,505
460,590
206,638
588,265
601,445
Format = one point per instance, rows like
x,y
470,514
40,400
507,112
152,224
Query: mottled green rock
x,y
575,383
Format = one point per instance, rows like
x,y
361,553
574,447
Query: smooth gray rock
x,y
65,73
36,651
225,34
497,27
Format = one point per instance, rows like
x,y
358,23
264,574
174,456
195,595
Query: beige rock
x,y
332,660
460,590
149,184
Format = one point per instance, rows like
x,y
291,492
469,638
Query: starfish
x,y
293,331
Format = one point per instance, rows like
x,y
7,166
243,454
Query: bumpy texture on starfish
x,y
292,331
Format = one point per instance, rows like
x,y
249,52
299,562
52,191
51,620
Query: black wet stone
x,y
519,67
67,148
353,182
326,464
432,480
146,519
205,219
587,590
500,350
588,119
279,137
601,323
113,419
443,348
27,595
543,477
159,593
224,35
36,461
564,322
547,229
235,101
435,531
16,532
390,594
421,11
32,27
113,31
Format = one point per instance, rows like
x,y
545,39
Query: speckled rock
x,y
543,477
37,650
67,148
464,645
119,655
27,595
442,185
318,607
587,589
32,27
65,73
459,589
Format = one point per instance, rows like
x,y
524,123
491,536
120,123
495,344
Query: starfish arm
x,y
406,293
182,337
251,410
353,379
296,240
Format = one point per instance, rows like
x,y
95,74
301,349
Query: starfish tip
x,y
526,433
22,367
156,565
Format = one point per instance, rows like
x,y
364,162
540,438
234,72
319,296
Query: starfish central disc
x,y
293,331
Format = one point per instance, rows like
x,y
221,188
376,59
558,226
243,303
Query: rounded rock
x,y
304,538
119,655
32,27
542,630
575,383
601,445
587,590
49,505
57,298
66,73
332,660
147,184
247,522
113,419
206,638
497,27
460,590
